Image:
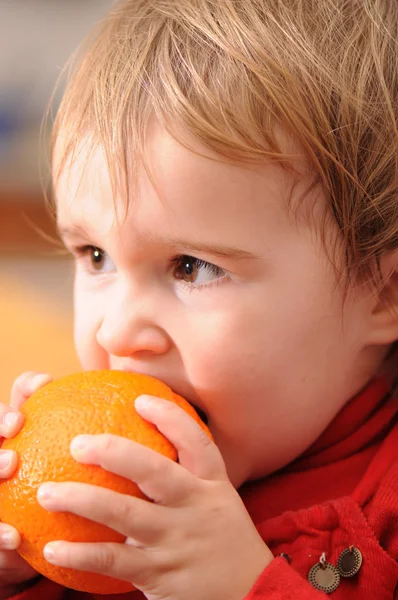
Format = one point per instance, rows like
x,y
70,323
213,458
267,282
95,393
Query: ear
x,y
384,318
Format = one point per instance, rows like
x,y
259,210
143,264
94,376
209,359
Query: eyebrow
x,y
178,244
70,230
215,249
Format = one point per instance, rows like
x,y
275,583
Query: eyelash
x,y
212,269
81,252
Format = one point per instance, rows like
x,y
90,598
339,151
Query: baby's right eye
x,y
94,259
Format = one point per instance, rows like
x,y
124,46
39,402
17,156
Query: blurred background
x,y
36,39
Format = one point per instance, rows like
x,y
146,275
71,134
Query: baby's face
x,y
215,289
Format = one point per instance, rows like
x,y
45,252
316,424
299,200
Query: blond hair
x,y
227,71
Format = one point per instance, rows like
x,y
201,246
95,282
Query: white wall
x,y
36,39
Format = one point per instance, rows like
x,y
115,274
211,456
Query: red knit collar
x,y
332,465
362,422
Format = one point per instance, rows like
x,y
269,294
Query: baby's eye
x,y
95,258
196,271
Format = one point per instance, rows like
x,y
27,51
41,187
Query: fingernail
x,y
45,491
10,418
7,539
49,551
80,443
5,459
144,402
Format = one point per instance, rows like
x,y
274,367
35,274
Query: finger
x,y
8,463
14,569
11,421
120,561
196,451
9,537
158,477
25,385
139,519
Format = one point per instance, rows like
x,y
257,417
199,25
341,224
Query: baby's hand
x,y
14,571
195,540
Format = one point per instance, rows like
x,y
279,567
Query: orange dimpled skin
x,y
90,402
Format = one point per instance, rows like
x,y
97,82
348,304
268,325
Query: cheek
x,y
227,359
87,320
260,373
263,358
248,339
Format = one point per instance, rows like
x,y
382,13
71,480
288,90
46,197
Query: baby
x,y
225,176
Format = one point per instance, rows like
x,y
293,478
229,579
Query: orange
x,y
90,402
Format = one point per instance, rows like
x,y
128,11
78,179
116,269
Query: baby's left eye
x,y
195,270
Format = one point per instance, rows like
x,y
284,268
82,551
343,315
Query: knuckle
x,y
106,443
38,381
17,388
204,442
157,471
22,382
204,438
163,561
25,385
218,507
160,469
122,512
222,495
105,558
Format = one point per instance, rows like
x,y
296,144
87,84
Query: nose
x,y
130,325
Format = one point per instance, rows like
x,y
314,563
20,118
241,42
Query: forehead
x,y
185,182
79,177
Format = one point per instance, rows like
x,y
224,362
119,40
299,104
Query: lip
x,y
202,415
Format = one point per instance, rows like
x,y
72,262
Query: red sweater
x,y
343,491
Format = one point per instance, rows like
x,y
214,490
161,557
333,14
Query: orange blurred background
x,y
36,39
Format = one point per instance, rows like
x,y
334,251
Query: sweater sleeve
x,y
280,582
277,582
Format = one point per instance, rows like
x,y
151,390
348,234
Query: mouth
x,y
201,414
